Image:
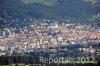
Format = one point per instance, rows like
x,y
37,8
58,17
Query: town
x,y
44,35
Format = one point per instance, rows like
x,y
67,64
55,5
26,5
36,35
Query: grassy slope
x,y
45,2
92,1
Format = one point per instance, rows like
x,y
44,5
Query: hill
x,y
49,9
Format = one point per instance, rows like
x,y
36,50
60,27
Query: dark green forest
x,y
61,9
8,60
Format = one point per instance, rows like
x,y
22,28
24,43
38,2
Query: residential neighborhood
x,y
43,35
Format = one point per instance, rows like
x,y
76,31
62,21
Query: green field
x,y
24,65
58,64
14,65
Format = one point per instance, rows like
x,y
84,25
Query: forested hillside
x,y
50,9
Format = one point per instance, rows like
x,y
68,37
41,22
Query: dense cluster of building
x,y
46,35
